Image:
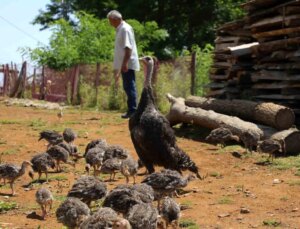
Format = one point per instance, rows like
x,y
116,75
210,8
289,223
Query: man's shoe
x,y
127,115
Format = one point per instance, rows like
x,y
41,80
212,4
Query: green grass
x,y
188,223
73,122
58,178
286,163
215,174
239,187
10,151
284,198
294,182
229,149
37,124
7,206
60,198
9,122
225,200
6,186
271,222
187,203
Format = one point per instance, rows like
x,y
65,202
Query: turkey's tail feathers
x,y
186,163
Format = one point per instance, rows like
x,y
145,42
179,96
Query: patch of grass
x,y
294,182
9,122
74,122
284,198
104,176
5,186
10,151
187,203
225,200
3,142
96,205
230,148
286,163
37,124
7,206
58,178
188,223
215,174
239,187
81,133
271,222
297,173
99,132
60,198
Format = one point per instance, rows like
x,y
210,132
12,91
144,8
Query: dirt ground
x,y
231,184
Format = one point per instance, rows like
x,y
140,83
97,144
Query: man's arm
x,y
127,55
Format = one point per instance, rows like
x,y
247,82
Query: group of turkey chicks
x,y
124,207
222,135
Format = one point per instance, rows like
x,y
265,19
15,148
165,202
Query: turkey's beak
x,y
143,60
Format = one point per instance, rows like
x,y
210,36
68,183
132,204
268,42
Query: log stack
x,y
268,65
225,69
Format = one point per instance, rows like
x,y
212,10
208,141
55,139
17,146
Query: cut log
x,y
269,114
275,76
272,46
180,113
291,138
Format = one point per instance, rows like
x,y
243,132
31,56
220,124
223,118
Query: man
x,y
126,59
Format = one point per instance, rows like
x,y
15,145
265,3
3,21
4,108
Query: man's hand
x,y
117,77
124,68
127,55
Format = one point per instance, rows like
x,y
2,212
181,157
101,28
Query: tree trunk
x,y
179,112
270,114
291,138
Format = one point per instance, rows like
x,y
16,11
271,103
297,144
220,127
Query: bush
x,y
203,64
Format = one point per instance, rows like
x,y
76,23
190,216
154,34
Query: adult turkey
x,y
152,135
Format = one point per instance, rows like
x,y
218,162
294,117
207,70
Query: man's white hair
x,y
114,14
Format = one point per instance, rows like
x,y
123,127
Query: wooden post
x,y
75,83
33,84
4,80
43,84
193,72
24,76
97,80
8,75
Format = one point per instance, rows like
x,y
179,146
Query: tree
x,y
90,41
187,22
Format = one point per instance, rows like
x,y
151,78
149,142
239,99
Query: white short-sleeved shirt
x,y
125,38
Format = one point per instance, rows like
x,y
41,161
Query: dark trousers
x,y
129,86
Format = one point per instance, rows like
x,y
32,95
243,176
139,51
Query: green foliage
x,y
10,151
58,178
173,78
204,61
91,41
37,124
147,35
6,206
187,22
9,122
188,223
271,222
286,163
94,39
225,200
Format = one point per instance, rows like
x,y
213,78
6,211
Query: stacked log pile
x,y
276,122
264,61
225,70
